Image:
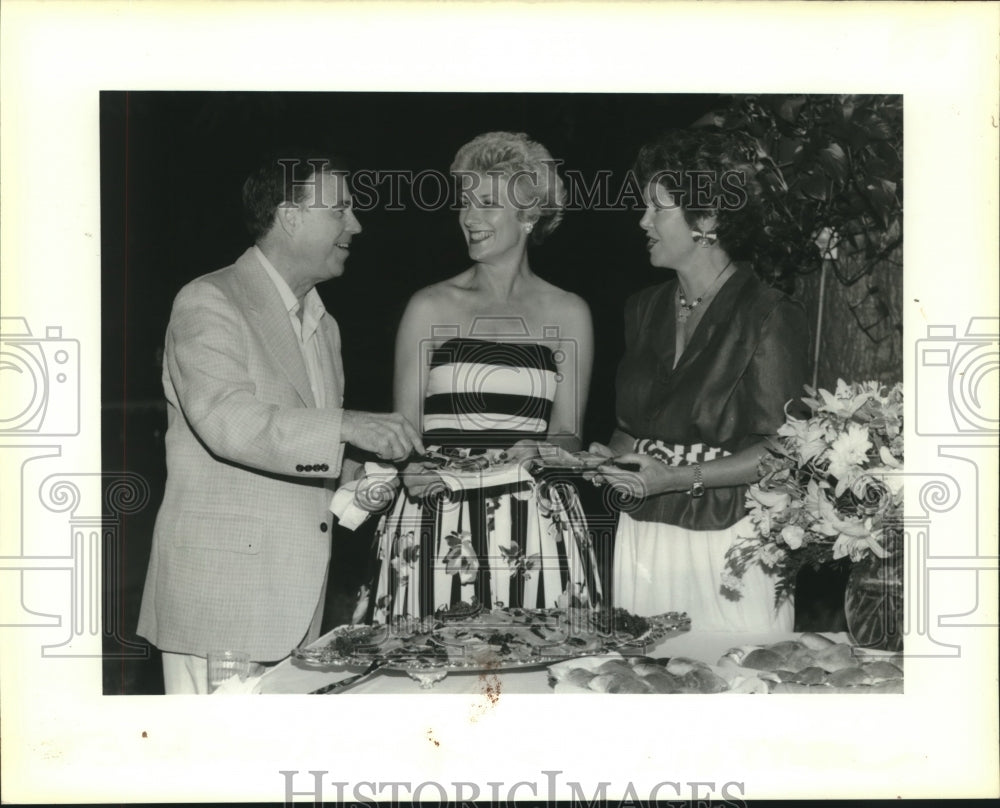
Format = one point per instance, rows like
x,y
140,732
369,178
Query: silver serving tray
x,y
443,648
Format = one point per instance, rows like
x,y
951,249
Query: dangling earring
x,y
529,227
704,239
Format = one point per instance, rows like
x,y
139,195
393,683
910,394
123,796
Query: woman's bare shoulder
x,y
560,301
438,303
443,292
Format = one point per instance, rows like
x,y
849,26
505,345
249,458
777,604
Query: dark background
x,y
172,166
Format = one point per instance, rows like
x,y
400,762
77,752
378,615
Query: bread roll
x,y
615,666
682,665
763,660
881,671
811,676
800,660
786,648
619,683
589,663
738,654
601,683
849,677
815,642
705,680
645,669
634,684
837,657
579,677
767,676
727,669
662,682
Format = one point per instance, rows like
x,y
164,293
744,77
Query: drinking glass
x,y
223,665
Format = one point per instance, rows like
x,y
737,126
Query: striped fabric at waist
x,y
679,454
476,442
466,351
483,422
479,379
513,406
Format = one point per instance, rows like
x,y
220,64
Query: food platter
x,y
462,470
554,461
499,639
613,673
816,664
811,664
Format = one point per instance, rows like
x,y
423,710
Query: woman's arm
x,y
775,374
654,477
570,402
412,366
412,360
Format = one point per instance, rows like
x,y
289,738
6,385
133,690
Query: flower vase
x,y
873,600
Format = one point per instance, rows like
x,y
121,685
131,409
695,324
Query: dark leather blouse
x,y
747,357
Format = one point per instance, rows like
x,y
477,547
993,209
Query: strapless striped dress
x,y
524,544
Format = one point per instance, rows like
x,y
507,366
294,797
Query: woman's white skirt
x,y
663,568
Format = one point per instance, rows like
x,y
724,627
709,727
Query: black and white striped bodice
x,y
488,394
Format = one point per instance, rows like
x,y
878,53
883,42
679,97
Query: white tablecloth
x,y
291,677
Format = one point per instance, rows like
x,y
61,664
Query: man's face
x,y
326,223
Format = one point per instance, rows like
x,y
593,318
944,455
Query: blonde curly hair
x,y
529,163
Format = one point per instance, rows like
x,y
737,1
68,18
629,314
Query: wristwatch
x,y
698,486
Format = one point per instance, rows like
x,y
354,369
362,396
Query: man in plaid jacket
x,y
256,433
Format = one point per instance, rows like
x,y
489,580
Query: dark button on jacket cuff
x,y
316,467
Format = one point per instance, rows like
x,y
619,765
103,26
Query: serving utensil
x,y
350,681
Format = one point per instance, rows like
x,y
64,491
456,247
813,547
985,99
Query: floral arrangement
x,y
831,487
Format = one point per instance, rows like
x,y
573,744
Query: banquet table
x,y
292,677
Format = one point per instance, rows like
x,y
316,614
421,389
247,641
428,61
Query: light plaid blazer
x,y
242,539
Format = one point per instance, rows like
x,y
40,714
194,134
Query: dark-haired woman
x,y
712,357
495,358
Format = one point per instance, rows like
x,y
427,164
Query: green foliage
x,y
831,172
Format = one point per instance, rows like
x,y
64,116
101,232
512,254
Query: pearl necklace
x,y
686,308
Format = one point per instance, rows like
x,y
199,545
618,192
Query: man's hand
x,y
389,435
